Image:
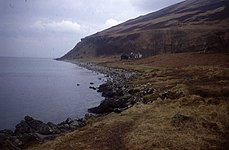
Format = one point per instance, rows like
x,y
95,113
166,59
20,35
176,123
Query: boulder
x,y
42,137
44,129
8,140
212,126
27,138
70,124
54,128
93,88
63,126
30,125
105,87
111,104
69,120
22,128
171,95
180,119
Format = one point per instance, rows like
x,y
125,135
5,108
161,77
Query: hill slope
x,y
189,26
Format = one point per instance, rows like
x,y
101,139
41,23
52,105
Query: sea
x,y
46,89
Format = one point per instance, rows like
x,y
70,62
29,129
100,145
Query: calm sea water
x,y
44,89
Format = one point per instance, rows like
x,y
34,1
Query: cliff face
x,y
189,26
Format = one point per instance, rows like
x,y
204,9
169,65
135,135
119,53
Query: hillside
x,y
187,108
189,26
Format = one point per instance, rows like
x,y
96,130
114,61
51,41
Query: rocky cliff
x,y
189,26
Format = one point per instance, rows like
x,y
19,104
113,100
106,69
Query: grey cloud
x,y
49,28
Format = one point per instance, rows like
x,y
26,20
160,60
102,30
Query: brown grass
x,y
204,87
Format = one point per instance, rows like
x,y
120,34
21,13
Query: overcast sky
x,y
50,28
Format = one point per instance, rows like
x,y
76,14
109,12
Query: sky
x,y
50,28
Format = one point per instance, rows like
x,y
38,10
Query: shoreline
x,y
116,91
31,130
166,102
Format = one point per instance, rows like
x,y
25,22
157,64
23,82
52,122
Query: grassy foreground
x,y
197,86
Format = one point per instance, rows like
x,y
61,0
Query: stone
x,y
54,128
63,126
8,142
38,126
6,131
170,95
69,120
93,88
105,87
22,127
42,137
209,125
111,104
180,119
27,138
134,91
75,124
44,129
30,125
28,118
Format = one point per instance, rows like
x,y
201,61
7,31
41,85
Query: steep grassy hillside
x,y
189,26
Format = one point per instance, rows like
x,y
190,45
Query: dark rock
x,y
38,126
44,129
22,128
209,125
8,140
54,128
126,97
74,125
78,84
213,101
63,127
112,93
180,119
15,141
77,123
91,83
171,95
28,119
31,125
27,138
30,130
71,124
110,104
69,120
119,110
90,116
134,91
149,90
42,137
35,124
8,132
93,88
105,87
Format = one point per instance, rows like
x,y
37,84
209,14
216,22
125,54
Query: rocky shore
x,y
118,96
30,130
